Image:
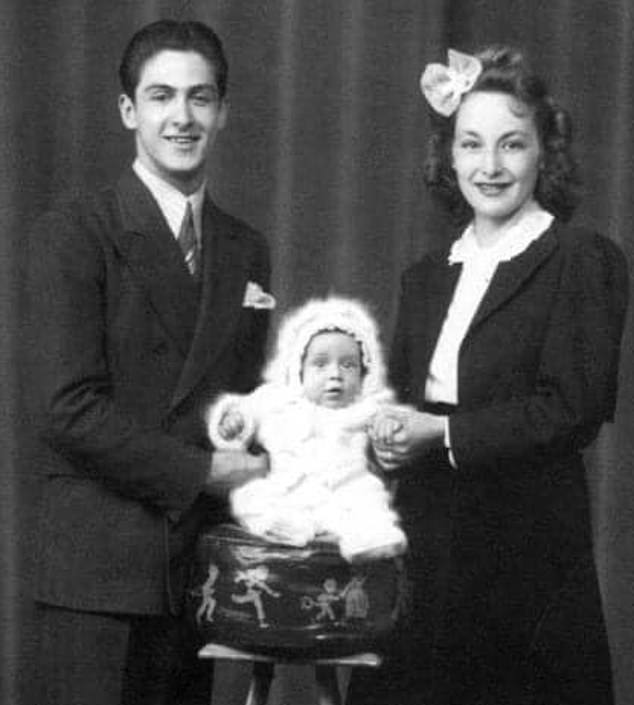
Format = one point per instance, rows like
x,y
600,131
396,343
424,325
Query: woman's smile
x,y
492,189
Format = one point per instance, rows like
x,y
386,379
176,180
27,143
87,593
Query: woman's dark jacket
x,y
507,533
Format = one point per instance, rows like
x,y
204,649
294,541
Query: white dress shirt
x,y
171,201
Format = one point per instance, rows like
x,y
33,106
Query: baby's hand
x,y
231,424
384,428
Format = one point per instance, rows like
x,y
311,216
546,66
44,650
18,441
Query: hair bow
x,y
444,86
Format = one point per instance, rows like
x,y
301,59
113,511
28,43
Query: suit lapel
x,y
510,276
439,285
224,280
148,246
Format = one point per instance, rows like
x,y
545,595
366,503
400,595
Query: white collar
x,y
532,222
170,200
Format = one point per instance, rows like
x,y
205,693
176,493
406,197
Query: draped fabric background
x,y
322,152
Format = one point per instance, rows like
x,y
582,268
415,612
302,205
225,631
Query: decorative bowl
x,y
271,598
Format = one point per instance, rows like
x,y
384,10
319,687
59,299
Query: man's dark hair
x,y
177,36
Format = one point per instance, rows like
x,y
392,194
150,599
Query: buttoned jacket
x,y
126,351
510,526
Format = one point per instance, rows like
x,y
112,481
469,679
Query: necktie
x,y
187,240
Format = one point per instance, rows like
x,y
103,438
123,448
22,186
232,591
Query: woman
x,y
507,346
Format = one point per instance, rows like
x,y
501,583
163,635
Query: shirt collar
x,y
531,223
171,201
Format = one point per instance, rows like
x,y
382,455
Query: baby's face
x,y
331,371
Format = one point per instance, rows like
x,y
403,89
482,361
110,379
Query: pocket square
x,y
256,297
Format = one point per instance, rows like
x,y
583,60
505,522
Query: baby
x,y
323,390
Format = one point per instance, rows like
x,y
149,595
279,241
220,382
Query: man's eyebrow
x,y
158,87
212,87
167,87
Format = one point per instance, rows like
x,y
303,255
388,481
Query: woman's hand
x,y
400,434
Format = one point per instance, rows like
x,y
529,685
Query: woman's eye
x,y
469,144
513,146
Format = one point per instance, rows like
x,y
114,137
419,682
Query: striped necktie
x,y
188,242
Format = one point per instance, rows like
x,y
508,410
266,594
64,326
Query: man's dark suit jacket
x,y
127,351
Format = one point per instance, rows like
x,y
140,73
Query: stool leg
x,y
260,683
327,685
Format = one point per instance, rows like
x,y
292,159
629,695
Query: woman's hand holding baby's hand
x,y
399,435
384,428
231,424
387,433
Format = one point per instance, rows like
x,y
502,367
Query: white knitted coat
x,y
320,478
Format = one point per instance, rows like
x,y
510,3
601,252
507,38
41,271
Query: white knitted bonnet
x,y
320,315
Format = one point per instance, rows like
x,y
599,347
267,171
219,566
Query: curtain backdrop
x,y
323,152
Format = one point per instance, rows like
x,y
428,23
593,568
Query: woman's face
x,y
496,155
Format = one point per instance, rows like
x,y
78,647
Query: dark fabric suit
x,y
126,352
506,602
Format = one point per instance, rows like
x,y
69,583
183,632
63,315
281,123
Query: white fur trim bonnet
x,y
317,316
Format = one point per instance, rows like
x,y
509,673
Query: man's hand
x,y
232,468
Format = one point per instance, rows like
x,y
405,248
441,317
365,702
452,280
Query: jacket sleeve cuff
x,y
447,443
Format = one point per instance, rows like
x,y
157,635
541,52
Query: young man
x,y
138,320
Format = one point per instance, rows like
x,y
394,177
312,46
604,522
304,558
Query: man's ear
x,y
127,110
223,114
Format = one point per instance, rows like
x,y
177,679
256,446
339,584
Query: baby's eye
x,y
350,364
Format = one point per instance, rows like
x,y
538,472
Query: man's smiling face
x,y
176,114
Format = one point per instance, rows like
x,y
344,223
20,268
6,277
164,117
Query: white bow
x,y
443,86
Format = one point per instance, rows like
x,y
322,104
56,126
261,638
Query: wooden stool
x,y
264,671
